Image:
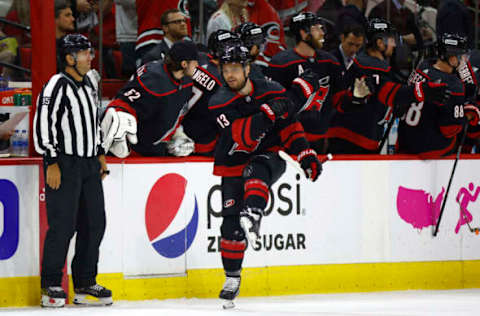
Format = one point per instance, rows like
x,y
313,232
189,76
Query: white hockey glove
x,y
361,89
180,145
118,127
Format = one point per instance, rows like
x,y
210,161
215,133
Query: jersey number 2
x,y
132,95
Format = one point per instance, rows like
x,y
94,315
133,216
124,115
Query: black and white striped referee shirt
x,y
67,119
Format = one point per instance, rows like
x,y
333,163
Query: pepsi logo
x,y
168,203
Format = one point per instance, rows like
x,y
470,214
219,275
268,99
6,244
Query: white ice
x,y
408,303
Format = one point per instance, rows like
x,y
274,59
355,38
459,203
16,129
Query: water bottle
x,y
14,143
23,146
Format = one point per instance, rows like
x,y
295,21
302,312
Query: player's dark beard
x,y
313,43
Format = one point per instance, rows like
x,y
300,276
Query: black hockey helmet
x,y
379,28
72,43
251,34
303,21
449,44
236,53
219,39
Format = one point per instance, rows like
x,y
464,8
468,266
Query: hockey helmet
x,y
72,43
379,28
304,21
449,44
236,53
219,39
251,34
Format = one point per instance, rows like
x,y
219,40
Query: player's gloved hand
x,y
278,108
432,92
117,128
310,164
180,145
472,112
307,83
362,88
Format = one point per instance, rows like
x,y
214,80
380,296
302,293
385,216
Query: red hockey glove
x,y
472,112
310,164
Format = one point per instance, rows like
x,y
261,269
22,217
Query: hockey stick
x,y
385,136
459,150
288,159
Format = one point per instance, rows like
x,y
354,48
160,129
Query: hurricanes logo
x,y
183,7
272,30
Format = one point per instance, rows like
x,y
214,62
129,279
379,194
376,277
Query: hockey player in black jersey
x,y
307,54
431,129
156,98
255,119
198,124
469,73
361,131
253,37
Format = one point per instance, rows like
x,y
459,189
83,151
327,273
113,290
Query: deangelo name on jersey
x,y
204,79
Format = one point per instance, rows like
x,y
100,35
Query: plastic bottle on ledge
x,y
14,143
23,148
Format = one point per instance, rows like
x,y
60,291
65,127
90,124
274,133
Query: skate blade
x,y
88,300
228,304
247,225
52,302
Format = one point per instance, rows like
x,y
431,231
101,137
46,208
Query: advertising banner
x,y
357,212
19,253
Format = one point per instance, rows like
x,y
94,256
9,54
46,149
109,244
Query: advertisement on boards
x,y
19,221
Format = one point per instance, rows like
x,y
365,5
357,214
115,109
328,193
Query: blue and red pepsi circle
x,y
163,206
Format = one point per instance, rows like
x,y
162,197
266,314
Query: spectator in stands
x,y
149,25
352,13
231,14
126,26
174,25
352,40
288,8
19,12
85,13
263,14
64,20
8,52
12,37
402,19
453,18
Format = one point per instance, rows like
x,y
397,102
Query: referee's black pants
x,y
77,206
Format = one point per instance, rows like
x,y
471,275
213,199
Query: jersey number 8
x,y
414,114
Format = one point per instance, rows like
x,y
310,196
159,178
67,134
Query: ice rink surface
x,y
409,303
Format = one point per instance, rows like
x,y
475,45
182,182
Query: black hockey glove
x,y
432,92
310,164
472,113
278,108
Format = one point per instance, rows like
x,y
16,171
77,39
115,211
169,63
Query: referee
x,y
67,134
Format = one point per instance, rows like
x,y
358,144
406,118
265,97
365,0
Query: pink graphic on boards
x,y
464,197
417,207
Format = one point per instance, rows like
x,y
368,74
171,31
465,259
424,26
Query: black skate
x,y
96,295
53,296
231,289
250,218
